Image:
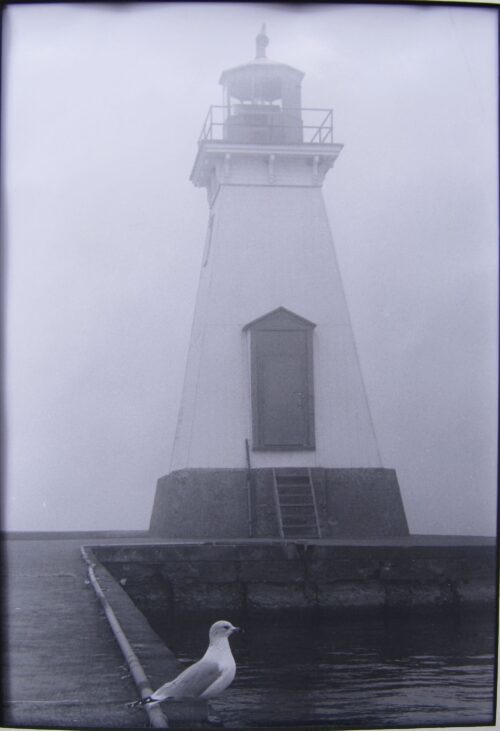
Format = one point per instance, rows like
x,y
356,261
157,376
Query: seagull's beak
x,y
236,629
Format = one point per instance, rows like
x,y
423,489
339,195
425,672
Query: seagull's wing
x,y
191,683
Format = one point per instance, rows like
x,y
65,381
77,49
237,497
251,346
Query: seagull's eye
x,y
226,626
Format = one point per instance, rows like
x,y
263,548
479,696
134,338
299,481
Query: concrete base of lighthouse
x,y
214,503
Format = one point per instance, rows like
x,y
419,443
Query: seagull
x,y
206,678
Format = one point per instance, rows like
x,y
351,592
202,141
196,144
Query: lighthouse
x,y
274,435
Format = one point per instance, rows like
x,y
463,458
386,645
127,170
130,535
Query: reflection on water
x,y
353,672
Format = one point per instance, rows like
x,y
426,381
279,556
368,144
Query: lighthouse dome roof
x,y
260,63
269,75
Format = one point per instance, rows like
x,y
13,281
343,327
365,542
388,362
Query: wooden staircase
x,y
296,503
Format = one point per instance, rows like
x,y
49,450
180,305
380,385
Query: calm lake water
x,y
363,673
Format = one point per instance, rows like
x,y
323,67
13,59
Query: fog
x,y
103,106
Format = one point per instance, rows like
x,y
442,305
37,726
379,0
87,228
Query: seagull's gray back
x,y
191,683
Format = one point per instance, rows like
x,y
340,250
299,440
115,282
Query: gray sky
x,y
103,106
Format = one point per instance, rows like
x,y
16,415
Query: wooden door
x,y
282,389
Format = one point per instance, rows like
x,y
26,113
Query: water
x,y
355,672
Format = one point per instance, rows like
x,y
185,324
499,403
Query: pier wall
x,y
254,577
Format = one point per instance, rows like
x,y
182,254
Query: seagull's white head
x,y
221,629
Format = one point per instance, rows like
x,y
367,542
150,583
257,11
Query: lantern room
x,y
262,100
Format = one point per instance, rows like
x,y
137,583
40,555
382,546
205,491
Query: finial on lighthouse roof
x,y
261,43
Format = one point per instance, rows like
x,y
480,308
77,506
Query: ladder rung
x,y
292,477
293,490
300,529
299,519
296,496
297,505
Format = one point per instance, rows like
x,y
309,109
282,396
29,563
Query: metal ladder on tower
x,y
296,503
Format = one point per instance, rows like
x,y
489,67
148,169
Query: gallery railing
x,y
266,123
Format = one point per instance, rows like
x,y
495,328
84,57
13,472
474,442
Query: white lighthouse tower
x,y
274,434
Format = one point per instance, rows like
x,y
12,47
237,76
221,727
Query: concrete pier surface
x,y
62,666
